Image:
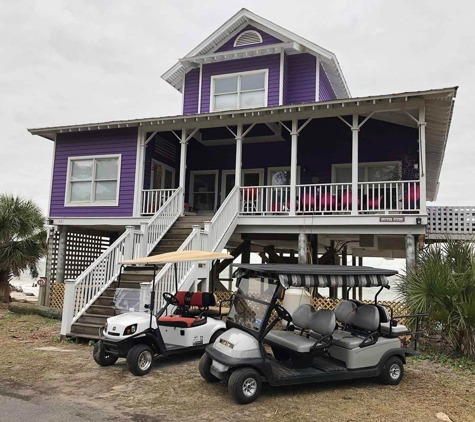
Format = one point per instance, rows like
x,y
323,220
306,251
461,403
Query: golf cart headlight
x,y
131,329
226,343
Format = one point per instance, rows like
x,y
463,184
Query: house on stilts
x,y
270,155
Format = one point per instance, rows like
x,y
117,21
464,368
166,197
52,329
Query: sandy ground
x,y
174,390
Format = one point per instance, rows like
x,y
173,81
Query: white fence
x,y
399,196
154,199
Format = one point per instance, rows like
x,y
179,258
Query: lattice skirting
x,y
57,295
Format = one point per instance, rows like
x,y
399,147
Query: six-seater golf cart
x,y
140,336
354,341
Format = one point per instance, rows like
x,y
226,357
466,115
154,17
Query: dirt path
x,y
174,390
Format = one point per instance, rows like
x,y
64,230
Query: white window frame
x,y
91,202
247,32
285,168
166,167
226,173
238,92
192,182
365,165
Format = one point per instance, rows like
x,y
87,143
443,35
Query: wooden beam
x,y
264,258
270,236
235,253
274,258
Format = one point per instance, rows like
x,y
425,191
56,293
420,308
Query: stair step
x,y
85,329
179,231
163,249
101,310
175,236
94,319
104,300
171,242
86,336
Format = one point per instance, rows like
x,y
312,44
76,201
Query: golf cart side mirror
x,y
146,306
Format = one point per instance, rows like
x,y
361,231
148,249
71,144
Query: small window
x,y
93,181
248,38
368,172
244,90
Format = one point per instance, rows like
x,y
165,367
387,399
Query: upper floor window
x,y
239,90
93,181
248,38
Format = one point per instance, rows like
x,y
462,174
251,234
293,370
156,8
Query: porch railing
x,y
324,198
265,199
154,199
388,197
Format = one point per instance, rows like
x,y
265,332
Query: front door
x,y
203,190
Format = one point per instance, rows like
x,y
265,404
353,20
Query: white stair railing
x,y
154,199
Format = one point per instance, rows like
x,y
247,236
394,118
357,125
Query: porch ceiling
x,y
439,109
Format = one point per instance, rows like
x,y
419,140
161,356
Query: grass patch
x,y
460,364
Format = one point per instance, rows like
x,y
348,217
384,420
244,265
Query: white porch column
x,y
139,172
184,145
293,165
238,173
61,260
422,159
354,165
302,247
68,307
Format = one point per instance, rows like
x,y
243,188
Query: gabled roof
x,y
244,17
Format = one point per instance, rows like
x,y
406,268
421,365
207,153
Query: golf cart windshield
x,y
252,301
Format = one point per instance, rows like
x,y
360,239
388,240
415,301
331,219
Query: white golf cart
x,y
185,323
354,341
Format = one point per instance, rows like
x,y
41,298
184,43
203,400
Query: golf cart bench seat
x,y
180,322
320,322
194,303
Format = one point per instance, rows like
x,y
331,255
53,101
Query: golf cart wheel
x,y
101,357
393,371
140,359
244,385
205,369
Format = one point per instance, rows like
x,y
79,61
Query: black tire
x,y
393,371
242,380
101,357
215,336
205,369
140,359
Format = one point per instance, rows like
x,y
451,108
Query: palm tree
x,y
22,240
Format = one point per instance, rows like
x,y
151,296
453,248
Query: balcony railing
x,y
153,199
333,198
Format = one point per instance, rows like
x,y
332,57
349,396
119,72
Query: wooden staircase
x,y
88,324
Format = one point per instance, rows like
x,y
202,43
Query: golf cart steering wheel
x,y
170,299
283,313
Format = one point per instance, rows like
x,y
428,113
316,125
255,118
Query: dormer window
x,y
239,90
248,38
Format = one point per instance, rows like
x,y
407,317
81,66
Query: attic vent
x,y
248,38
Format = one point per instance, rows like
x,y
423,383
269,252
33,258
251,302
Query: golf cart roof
x,y
178,256
318,275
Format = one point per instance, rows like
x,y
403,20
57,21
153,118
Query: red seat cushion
x,y
179,321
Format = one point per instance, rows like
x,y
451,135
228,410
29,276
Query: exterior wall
x,y
192,87
271,62
115,141
301,78
325,89
322,143
266,40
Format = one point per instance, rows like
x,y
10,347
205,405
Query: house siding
x,y
270,62
116,141
326,92
301,78
267,39
192,87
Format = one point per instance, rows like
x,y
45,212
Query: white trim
x,y
183,94
249,31
317,79
192,179
200,84
225,173
281,78
91,203
283,168
139,164
166,167
366,165
52,175
238,92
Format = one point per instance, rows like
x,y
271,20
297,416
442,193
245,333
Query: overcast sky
x,y
68,62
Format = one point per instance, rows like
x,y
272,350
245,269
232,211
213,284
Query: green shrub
x,y
442,283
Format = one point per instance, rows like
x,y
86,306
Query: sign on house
x,y
391,219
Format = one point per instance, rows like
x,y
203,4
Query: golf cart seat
x,y
322,323
345,312
203,301
365,321
178,321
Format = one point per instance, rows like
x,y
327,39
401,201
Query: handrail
x,y
102,272
163,219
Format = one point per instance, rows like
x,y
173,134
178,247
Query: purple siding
x,y
192,87
301,79
322,143
116,141
266,40
325,89
271,62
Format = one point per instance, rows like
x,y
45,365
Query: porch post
x,y
302,247
61,264
293,165
184,145
238,173
139,173
422,160
410,252
354,166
